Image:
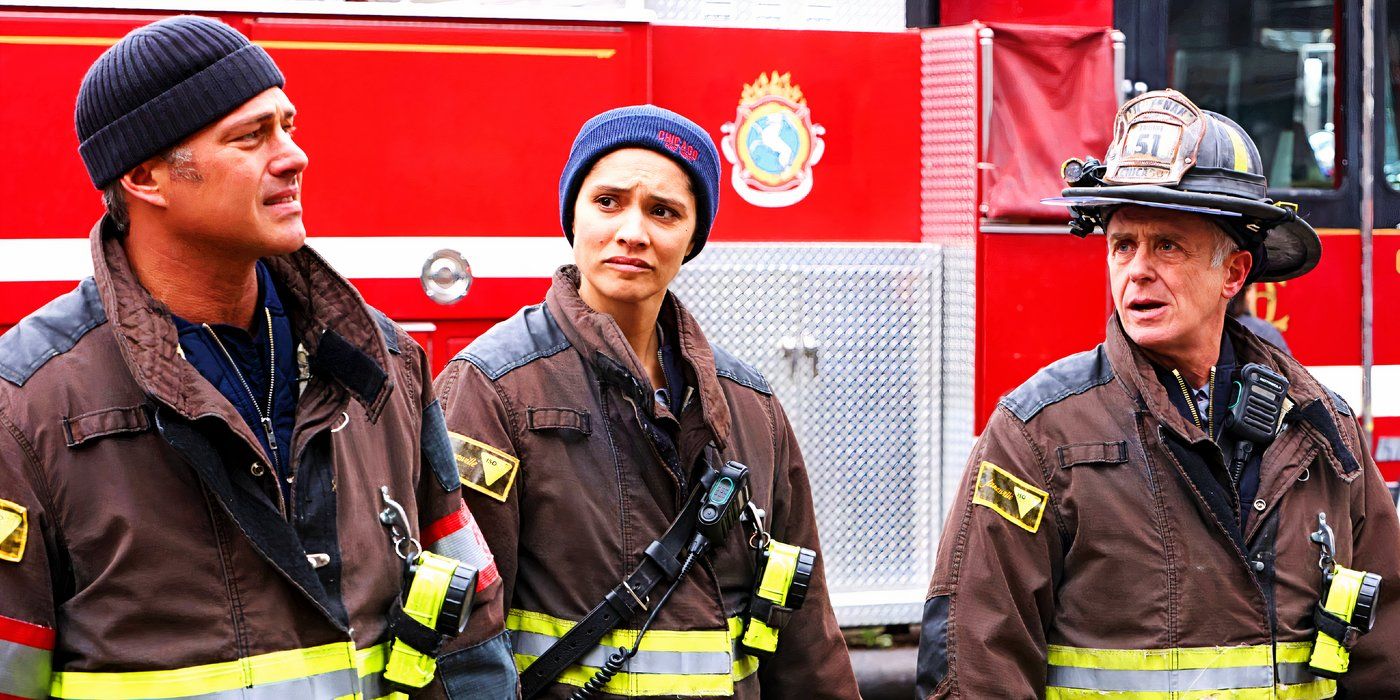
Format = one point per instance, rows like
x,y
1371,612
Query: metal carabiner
x,y
393,516
1325,538
759,537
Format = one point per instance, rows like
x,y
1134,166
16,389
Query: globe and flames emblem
x,y
772,143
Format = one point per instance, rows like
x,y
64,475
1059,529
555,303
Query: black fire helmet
x,y
1170,154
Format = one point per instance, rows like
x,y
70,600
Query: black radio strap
x,y
662,562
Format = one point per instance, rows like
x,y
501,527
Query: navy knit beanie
x,y
655,129
161,83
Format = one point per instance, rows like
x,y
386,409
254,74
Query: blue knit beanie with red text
x,y
652,128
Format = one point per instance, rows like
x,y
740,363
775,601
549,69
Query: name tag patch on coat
x,y
483,467
14,530
1010,497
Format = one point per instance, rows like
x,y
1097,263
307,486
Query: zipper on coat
x,y
1208,424
264,416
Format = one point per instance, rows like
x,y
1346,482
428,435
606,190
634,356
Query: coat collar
x,y
1138,375
599,339
330,319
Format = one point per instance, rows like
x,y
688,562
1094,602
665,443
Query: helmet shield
x,y
1155,140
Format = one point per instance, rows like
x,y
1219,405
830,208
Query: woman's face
x,y
634,221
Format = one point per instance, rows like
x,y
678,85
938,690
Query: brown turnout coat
x,y
558,388
1132,551
157,537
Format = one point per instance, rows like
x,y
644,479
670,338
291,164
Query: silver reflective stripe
x,y
1227,678
375,687
24,670
1295,674
462,546
323,686
465,544
676,663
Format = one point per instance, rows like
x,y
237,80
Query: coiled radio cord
x,y
618,659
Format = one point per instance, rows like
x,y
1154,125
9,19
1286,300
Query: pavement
x,y
886,674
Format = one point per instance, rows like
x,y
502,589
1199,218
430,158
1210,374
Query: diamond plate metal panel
x,y
850,338
958,401
845,15
949,99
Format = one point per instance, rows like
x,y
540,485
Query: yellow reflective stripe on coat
x,y
328,672
669,662
1243,673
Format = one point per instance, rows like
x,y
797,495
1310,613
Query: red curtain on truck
x,y
1053,98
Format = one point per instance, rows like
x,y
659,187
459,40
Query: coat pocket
x,y
108,421
1088,453
569,423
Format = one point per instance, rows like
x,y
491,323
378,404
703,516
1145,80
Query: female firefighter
x,y
594,432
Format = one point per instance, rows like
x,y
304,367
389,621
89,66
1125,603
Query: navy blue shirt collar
x,y
249,349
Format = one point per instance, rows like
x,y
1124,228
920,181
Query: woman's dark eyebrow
x,y
668,202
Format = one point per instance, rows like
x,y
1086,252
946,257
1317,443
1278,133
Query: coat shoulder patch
x,y
49,332
14,530
529,335
484,468
1058,381
738,371
1343,407
388,329
1012,498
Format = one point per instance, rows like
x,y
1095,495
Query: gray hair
x,y
1224,245
182,167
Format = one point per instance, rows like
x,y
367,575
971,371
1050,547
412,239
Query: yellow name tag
x,y
484,468
14,530
1012,498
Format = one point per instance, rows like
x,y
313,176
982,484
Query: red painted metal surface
x,y
406,138
440,127
860,88
1319,313
51,196
1040,297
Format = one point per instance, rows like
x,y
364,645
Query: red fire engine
x,y
880,253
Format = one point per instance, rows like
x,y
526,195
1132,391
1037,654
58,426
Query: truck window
x,y
1391,69
1270,65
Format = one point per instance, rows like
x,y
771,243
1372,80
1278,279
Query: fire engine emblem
x,y
772,143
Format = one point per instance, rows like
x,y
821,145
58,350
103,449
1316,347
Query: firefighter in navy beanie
x,y
161,83
652,128
236,418
583,424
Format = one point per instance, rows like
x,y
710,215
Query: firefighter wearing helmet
x,y
1182,511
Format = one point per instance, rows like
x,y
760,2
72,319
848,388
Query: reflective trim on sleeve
x,y
1244,672
319,673
26,658
24,671
457,536
669,662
